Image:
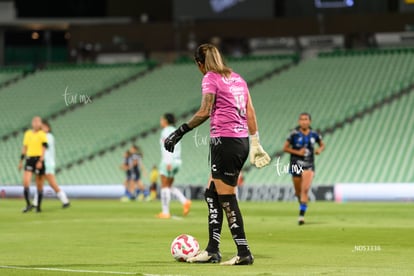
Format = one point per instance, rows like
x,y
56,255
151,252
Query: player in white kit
x,y
50,165
169,167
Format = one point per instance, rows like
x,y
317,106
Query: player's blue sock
x,y
146,193
302,209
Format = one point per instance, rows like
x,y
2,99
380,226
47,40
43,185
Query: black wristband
x,y
21,156
184,128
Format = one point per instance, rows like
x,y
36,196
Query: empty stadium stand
x,y
43,93
333,88
360,100
134,108
8,75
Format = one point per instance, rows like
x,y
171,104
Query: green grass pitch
x,y
99,237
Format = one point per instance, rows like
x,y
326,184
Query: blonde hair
x,y
210,57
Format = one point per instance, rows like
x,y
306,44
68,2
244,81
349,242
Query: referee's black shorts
x,y
30,165
227,158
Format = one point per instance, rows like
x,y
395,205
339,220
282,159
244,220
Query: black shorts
x,y
135,174
30,165
128,175
296,168
227,158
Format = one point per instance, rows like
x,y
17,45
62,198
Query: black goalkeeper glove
x,y
175,137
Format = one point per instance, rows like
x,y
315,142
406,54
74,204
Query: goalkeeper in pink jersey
x,y
226,101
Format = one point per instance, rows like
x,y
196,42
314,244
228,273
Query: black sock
x,y
215,219
234,217
39,198
26,193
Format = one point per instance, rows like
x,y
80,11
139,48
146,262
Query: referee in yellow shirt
x,y
34,145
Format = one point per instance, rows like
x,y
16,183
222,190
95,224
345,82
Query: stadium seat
x,y
332,87
137,107
43,92
9,74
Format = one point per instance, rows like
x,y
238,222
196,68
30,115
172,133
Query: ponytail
x,y
210,56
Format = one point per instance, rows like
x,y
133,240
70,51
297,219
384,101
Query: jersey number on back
x,y
240,104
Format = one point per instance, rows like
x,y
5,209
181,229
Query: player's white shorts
x,y
175,167
49,168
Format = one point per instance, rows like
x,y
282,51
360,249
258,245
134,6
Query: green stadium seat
x,y
42,93
332,87
138,107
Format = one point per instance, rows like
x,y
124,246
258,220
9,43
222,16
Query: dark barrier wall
x,y
170,36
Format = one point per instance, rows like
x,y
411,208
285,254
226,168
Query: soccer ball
x,y
183,247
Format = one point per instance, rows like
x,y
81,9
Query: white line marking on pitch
x,y
163,275
67,270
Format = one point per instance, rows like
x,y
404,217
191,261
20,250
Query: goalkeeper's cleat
x,y
237,260
66,205
38,210
205,257
28,208
186,207
301,220
163,216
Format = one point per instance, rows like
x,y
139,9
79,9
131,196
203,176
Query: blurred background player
x,y
300,144
50,165
34,146
136,166
169,167
154,175
129,191
226,98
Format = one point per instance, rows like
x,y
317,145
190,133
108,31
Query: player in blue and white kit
x,y
50,165
136,166
125,167
301,146
169,167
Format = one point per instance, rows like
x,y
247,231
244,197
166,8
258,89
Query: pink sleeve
x,y
208,85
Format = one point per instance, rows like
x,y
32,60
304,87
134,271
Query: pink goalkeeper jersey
x,y
228,116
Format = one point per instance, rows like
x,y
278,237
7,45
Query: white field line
x,y
80,271
67,270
